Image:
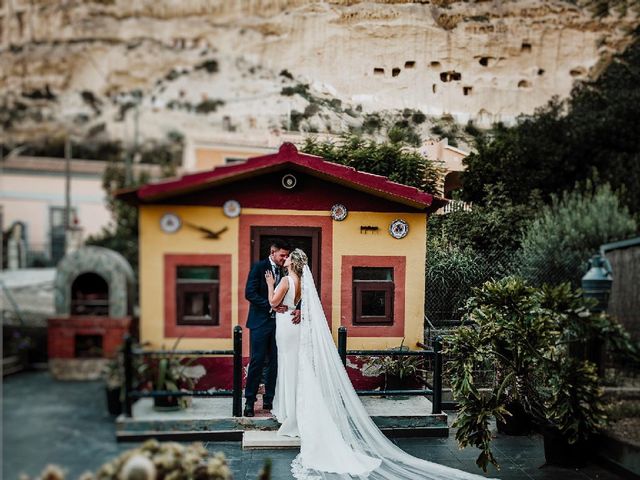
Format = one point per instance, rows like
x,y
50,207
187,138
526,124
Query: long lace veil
x,y
328,404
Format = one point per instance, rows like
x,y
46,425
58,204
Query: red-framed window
x,y
197,295
381,286
373,295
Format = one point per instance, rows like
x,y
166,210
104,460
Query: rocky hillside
x,y
100,68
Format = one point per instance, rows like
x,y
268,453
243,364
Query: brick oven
x,y
94,291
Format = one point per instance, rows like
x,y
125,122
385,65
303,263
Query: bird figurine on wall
x,y
210,234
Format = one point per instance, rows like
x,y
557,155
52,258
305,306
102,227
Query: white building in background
x,y
223,148
451,157
32,196
32,199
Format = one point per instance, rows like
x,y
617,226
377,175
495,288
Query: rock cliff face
x,y
198,65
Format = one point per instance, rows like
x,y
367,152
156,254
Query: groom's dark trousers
x,y
262,326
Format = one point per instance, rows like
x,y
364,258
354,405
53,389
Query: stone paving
x,y
48,421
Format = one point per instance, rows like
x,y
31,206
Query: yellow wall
x,y
347,240
154,244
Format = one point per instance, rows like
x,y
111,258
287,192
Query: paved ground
x,y
45,421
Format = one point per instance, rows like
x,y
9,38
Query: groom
x,y
262,326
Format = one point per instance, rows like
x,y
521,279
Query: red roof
x,y
287,156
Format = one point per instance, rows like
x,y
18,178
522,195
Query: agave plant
x,y
397,369
167,373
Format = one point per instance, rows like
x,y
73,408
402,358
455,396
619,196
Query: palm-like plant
x,y
531,337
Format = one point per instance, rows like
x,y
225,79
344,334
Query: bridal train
x,y
339,440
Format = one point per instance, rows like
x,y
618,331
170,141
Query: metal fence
x,y
133,392
450,280
432,358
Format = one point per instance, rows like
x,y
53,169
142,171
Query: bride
x,y
315,400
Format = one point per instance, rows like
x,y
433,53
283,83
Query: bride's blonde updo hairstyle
x,y
298,261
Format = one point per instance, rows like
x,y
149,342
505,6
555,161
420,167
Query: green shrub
x,y
418,117
296,118
311,110
210,66
388,159
531,337
301,89
452,271
402,132
437,130
490,229
556,245
208,106
372,123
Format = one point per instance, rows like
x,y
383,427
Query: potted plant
x,y
400,371
528,336
113,374
167,373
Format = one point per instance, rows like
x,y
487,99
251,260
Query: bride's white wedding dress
x,y
315,400
288,341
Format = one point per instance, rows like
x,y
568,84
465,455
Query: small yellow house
x,y
199,235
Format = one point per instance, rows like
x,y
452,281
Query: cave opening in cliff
x,y
20,19
484,61
433,88
526,47
395,72
523,84
409,64
434,64
378,71
450,76
541,71
467,90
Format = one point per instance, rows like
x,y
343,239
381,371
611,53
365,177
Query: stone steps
x,y
210,419
267,440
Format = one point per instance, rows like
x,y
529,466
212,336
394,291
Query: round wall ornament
x,y
289,181
170,223
339,212
231,208
399,228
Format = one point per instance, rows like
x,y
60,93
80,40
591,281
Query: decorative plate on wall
x,y
170,223
339,212
399,228
231,208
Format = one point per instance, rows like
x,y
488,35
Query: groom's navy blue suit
x,y
262,326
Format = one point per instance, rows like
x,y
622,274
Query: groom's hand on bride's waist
x,y
280,308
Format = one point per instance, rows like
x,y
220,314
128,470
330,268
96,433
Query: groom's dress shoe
x,y
267,406
248,410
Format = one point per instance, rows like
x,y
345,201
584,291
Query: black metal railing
x,y
435,354
236,393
